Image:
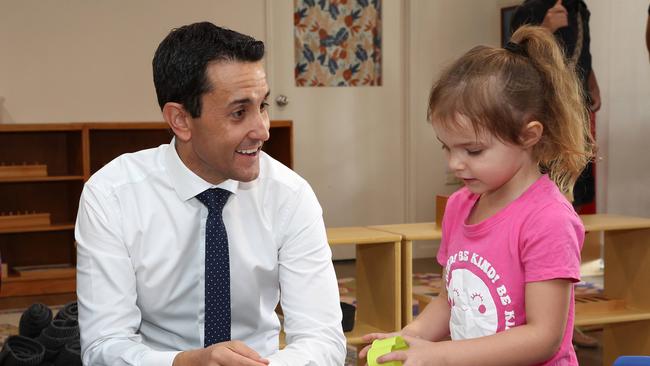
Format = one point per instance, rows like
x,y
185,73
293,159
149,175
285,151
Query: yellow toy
x,y
381,347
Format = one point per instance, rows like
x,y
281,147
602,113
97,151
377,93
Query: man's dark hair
x,y
181,60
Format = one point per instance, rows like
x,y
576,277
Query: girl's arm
x,y
431,324
547,307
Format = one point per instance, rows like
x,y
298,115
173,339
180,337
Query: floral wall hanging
x,y
337,42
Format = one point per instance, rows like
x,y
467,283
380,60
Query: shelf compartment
x,y
106,144
281,137
59,150
38,248
59,198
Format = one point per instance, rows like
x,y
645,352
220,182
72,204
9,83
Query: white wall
x,y
79,60
439,32
84,60
620,60
442,30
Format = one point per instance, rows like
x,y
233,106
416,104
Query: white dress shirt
x,y
141,264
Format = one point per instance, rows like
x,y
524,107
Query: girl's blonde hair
x,y
501,90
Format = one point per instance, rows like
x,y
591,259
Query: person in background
x,y
514,127
185,250
568,20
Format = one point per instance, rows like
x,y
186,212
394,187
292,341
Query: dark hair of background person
x,y
533,12
181,60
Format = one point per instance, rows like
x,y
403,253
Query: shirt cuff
x,y
159,358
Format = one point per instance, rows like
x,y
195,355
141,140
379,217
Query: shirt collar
x,y
185,182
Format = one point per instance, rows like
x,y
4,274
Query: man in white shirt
x,y
141,230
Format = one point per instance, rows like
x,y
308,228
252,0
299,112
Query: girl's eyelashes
x,y
474,152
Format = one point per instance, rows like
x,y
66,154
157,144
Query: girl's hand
x,y
368,338
420,353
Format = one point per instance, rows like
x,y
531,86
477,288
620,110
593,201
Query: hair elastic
x,y
516,49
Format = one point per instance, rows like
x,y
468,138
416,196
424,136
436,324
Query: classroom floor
x,y
586,356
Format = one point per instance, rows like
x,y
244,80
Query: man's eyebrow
x,y
247,100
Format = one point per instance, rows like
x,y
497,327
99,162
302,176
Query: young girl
x,y
513,125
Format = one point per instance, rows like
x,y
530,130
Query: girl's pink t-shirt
x,y
537,237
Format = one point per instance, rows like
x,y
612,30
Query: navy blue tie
x,y
217,268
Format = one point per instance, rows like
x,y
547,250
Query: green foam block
x,y
381,347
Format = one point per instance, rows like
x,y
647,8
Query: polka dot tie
x,y
217,268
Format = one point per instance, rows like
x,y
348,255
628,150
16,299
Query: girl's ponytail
x,y
567,145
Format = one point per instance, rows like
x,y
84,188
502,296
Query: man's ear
x,y
531,134
178,119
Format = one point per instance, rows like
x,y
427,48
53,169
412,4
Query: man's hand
x,y
232,353
556,17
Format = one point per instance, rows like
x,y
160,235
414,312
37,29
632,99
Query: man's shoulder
x,y
130,168
273,172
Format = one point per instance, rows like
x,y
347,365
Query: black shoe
x,y
36,318
57,335
22,351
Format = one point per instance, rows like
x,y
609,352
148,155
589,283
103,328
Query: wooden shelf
x,y
601,310
624,308
606,222
71,153
23,170
60,178
41,274
378,279
410,233
14,288
25,219
35,229
359,235
611,317
40,282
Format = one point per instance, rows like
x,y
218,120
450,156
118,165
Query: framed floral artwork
x,y
337,42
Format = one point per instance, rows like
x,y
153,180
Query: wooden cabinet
x,y
410,233
624,308
43,168
378,280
